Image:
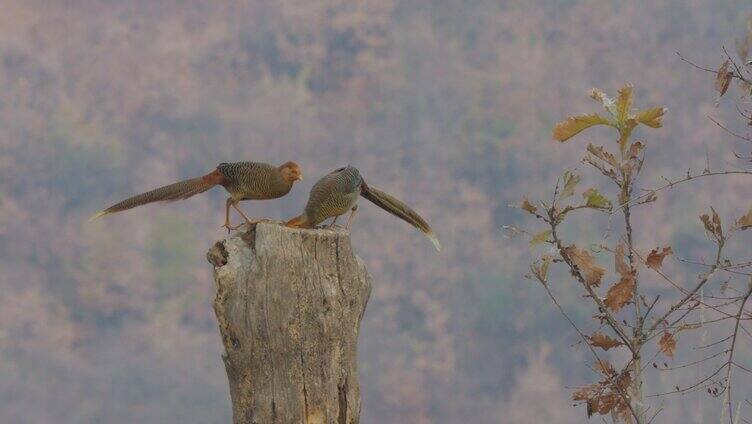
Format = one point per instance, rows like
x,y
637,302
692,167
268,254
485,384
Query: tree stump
x,y
289,304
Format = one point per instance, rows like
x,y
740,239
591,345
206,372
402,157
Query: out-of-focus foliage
x,y
449,105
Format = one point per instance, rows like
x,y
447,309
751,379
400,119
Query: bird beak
x,y
300,177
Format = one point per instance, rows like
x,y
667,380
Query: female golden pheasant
x,y
337,192
243,180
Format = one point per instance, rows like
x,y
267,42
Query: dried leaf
x,y
570,183
594,199
565,130
723,78
527,206
605,368
601,153
540,237
620,293
635,149
656,256
652,117
667,344
745,221
624,104
591,272
712,224
603,341
607,102
540,268
620,263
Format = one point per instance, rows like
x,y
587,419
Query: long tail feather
x,y
400,210
168,193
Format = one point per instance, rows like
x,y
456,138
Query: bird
x,y
243,180
337,193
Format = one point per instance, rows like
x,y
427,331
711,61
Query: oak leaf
x,y
624,104
667,344
723,78
601,153
570,183
652,117
591,272
620,263
603,341
540,237
620,293
567,129
594,199
745,221
656,256
527,206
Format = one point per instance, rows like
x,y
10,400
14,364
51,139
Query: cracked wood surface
x,y
289,304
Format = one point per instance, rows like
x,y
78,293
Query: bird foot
x,y
234,227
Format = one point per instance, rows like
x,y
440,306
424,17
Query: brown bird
x,y
337,193
243,180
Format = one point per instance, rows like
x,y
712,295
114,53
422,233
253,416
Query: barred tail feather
x,y
168,193
400,210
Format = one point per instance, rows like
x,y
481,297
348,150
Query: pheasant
x,y
243,180
337,193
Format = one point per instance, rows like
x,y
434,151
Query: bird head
x,y
291,172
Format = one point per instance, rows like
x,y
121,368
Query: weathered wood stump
x,y
289,304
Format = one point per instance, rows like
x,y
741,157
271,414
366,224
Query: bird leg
x,y
248,221
334,221
230,202
351,217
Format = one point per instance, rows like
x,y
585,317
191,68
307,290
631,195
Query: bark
x,y
289,304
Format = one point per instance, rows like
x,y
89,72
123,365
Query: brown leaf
x,y
723,78
605,367
635,149
603,341
620,293
601,153
620,263
591,272
565,130
527,206
712,224
745,221
656,256
667,344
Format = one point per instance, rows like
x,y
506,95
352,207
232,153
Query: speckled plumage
x,y
333,195
243,180
253,180
337,193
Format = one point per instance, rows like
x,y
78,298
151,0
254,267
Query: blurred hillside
x,y
447,104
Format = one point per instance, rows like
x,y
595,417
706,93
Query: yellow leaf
x,y
540,268
652,117
565,130
570,183
745,222
624,104
594,199
540,237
